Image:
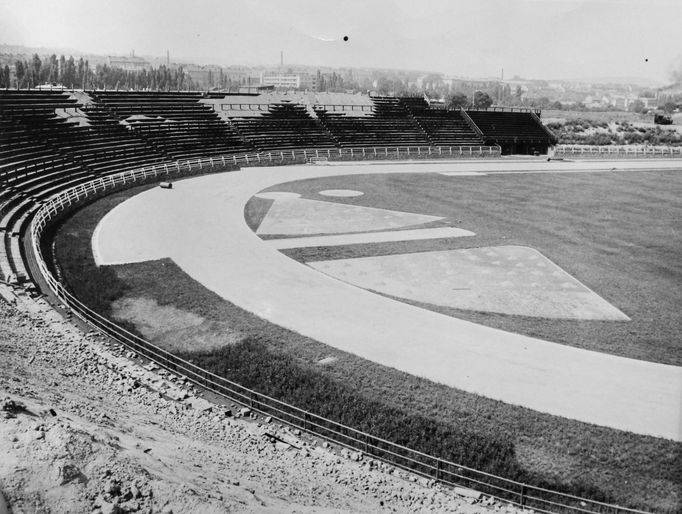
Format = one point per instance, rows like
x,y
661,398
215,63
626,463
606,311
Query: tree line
x,y
36,71
73,73
479,99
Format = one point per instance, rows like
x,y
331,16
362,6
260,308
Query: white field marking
x,y
204,231
341,193
424,277
300,217
278,196
368,237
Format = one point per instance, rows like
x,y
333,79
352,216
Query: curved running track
x,y
200,225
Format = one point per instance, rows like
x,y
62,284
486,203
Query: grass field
x,y
625,468
617,233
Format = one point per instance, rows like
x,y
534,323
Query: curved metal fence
x,y
520,494
614,151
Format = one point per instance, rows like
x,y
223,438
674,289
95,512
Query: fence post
x,y
523,495
439,470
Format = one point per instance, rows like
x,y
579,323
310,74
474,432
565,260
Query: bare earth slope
x,y
97,435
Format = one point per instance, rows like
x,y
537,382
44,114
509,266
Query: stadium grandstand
x,y
62,148
53,140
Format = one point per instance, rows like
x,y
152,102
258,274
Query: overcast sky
x,y
476,38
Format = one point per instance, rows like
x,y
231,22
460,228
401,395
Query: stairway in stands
x,y
388,125
285,126
443,127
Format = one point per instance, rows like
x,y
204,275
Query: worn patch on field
x,y
503,279
290,215
172,328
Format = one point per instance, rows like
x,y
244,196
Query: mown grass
x,y
618,233
97,286
575,457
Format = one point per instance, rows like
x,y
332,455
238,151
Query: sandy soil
x,y
85,428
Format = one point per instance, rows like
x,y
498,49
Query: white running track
x,y
200,225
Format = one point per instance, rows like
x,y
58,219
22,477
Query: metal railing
x,y
617,151
518,493
502,108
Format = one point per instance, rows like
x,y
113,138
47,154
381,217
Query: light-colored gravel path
x,y
200,225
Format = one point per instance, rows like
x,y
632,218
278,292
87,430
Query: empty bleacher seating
x,y
516,132
443,127
285,125
50,142
31,168
53,140
389,124
175,124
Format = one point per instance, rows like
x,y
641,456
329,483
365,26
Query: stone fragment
x,y
467,493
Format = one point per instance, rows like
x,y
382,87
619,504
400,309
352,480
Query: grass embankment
x,y
618,233
96,286
588,460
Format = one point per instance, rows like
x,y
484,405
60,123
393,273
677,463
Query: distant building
x,y
649,103
308,81
622,101
128,63
281,81
254,90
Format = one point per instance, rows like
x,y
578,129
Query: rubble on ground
x,y
88,426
